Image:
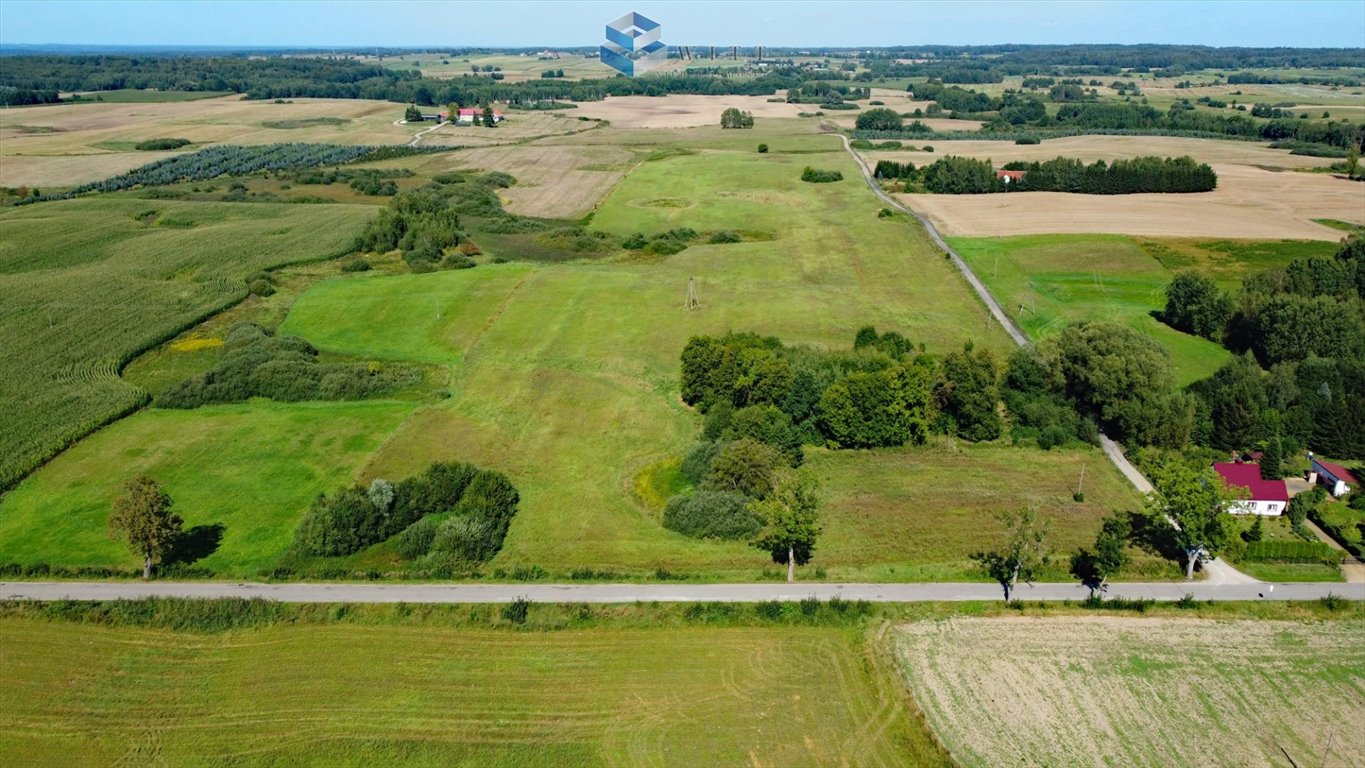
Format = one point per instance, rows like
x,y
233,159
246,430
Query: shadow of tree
x,y
1154,536
194,544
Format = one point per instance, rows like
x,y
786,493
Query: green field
x,y
1086,691
86,284
350,695
139,96
1047,281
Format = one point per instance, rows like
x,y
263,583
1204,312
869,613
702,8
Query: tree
x,y
1352,160
967,393
1192,502
733,118
879,119
142,517
489,119
790,521
879,409
1195,305
1023,553
1236,399
762,149
1095,567
745,466
413,114
1272,460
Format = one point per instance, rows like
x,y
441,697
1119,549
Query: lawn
x,y
354,695
1086,691
252,469
86,284
1048,281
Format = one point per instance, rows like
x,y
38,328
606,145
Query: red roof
x,y
1338,471
1012,175
1249,476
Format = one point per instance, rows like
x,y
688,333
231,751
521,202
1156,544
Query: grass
x,y
437,695
252,468
86,284
1048,281
1109,690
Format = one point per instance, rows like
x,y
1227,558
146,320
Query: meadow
x,y
356,695
1084,691
87,284
1048,281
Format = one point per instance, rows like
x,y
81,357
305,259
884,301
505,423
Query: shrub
x,y
152,145
457,261
820,176
517,610
261,288
336,525
1028,140
724,236
762,149
665,247
697,463
635,242
711,515
416,539
468,539
356,264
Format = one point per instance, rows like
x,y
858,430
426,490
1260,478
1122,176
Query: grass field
x,y
1047,281
349,695
85,284
1085,691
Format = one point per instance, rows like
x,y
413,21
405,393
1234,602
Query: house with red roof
x,y
467,115
1010,177
1266,497
1338,479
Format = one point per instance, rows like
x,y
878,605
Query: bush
x,y
665,247
635,242
517,610
880,119
1291,552
724,236
356,264
697,463
1028,140
820,177
744,466
261,288
711,515
467,539
762,149
457,261
153,145
416,539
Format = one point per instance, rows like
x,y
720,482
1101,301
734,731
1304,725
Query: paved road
x,y
1218,571
664,593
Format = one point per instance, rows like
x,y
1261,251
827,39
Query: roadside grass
x,y
1130,690
354,695
87,284
1047,281
251,468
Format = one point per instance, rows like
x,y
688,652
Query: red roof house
x,y
1010,177
1337,478
1268,497
467,114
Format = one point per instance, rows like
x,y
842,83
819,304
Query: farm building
x,y
467,115
1009,177
1267,497
1338,479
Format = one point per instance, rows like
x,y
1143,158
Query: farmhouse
x,y
1010,177
1338,479
1268,497
467,114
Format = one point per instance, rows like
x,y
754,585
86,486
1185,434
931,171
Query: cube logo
x,y
632,46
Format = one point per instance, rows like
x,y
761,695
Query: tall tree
x,y
1193,503
1094,567
790,521
1023,554
490,120
142,517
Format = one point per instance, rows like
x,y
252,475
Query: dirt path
x,y
418,136
1351,568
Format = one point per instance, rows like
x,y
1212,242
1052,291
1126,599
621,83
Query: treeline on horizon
x,y
967,176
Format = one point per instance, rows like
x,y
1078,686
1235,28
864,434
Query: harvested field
x,y
1086,691
682,111
43,171
552,181
1249,203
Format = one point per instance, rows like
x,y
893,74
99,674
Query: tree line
x,y
953,175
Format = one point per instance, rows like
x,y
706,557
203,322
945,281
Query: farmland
x,y
86,284
436,695
1138,691
1047,281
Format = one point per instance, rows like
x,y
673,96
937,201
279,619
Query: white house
x,y
466,116
1338,479
1267,497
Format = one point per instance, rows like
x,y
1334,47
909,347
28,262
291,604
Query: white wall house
x,y
1267,497
1338,479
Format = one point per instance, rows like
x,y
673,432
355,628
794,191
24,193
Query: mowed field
x,y
354,695
1047,281
1086,691
683,111
85,284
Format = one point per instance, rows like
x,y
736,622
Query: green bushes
x,y
1195,305
155,145
734,118
711,515
1291,552
256,363
879,119
479,503
820,177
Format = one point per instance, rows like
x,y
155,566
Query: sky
x,y
848,23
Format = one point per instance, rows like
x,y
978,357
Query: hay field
x,y
553,181
1249,203
1086,691
357,695
682,111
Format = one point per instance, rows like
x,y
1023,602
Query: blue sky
x,y
1309,23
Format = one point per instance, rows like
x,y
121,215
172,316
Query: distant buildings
x,y
467,115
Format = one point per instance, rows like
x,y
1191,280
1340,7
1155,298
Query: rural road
x,y
663,593
418,136
1218,571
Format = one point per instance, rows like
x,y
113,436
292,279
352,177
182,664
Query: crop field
x,y
683,111
85,284
1084,691
514,68
557,182
1248,203
353,695
1047,281
1108,148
